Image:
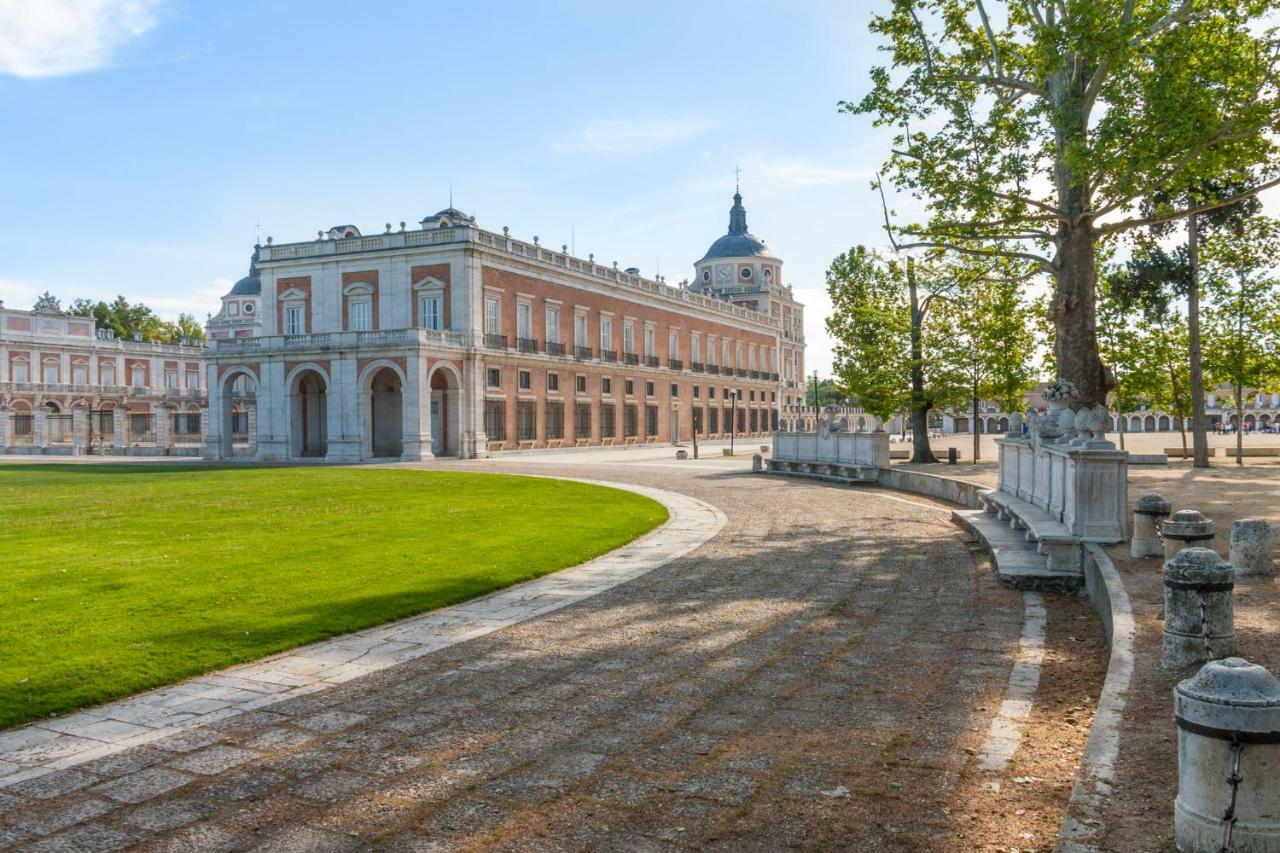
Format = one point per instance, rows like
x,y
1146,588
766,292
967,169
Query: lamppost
x,y
815,398
733,419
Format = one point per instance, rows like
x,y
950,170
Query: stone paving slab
x,y
31,752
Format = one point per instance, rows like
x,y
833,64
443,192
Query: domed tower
x,y
240,317
738,267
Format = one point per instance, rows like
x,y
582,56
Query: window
x,y
555,420
293,320
737,356
79,374
698,420
673,344
711,392
526,420
675,390
137,376
492,315
360,316
579,330
580,384
495,420
754,420
629,387
746,273
108,372
553,381
524,320
695,348
711,350
606,385
431,310
651,420
193,379
21,371
714,421
706,275
233,309
648,389
582,420
628,338
171,379
724,352
524,380
606,333
648,340
493,378
51,373
753,395
751,357
697,391
608,421
630,417
553,325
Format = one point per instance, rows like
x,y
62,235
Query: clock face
x,y
722,274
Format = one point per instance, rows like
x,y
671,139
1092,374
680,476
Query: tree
x,y
827,394
887,345
1106,103
990,340
1242,319
127,319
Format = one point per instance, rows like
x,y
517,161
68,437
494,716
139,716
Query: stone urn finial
x,y
1015,426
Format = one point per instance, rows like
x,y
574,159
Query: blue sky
x,y
146,139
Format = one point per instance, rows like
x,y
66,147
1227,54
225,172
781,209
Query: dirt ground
x,y
1139,817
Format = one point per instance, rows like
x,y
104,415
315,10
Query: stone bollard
x,y
1199,611
1148,513
757,462
1251,550
682,454
1228,759
725,451
764,448
1186,528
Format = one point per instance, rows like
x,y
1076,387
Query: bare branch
x,y
1046,264
924,39
1039,205
1000,81
991,38
884,206
1001,235
1127,224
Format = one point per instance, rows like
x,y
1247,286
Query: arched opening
x,y
239,399
446,408
386,414
1164,423
1149,424
1004,424
1135,424
309,416
1249,422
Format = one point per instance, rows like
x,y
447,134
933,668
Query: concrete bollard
x,y
757,462
1199,609
1228,759
726,451
1186,528
1149,511
1251,548
682,454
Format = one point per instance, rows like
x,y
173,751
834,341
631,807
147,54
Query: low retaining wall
x,y
931,486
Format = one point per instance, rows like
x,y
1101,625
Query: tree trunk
x,y
921,452
1240,425
1074,314
977,437
1122,422
1199,433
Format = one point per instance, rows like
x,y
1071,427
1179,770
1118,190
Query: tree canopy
x,y
125,319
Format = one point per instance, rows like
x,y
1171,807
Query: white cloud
x,y
805,173
54,38
631,135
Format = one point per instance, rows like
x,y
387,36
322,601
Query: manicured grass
x,y
117,578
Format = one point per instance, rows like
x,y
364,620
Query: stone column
x,y
417,412
40,429
160,427
4,429
342,398
251,426
1251,548
79,429
1186,528
210,444
1148,513
118,414
1228,738
1199,609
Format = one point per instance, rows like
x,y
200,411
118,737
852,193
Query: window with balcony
x,y
648,341
138,376
293,320
107,374
431,310
171,380
492,315
580,330
606,334
553,325
79,374
673,345
193,379
628,338
50,375
524,320
21,371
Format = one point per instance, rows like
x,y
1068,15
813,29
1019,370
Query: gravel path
x,y
820,674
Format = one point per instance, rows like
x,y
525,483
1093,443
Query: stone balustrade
x,y
1086,489
830,454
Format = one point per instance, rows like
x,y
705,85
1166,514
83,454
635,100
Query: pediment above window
x,y
358,288
292,294
429,283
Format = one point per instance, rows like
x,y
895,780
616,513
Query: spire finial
x,y
737,179
451,194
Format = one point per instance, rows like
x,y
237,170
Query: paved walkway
x,y
830,656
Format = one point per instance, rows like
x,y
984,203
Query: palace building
x,y
68,387
452,340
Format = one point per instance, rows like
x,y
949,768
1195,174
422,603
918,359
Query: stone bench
x,y
1254,451
899,454
1060,565
832,471
1179,453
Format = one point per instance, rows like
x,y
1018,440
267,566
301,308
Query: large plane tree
x,y
1052,125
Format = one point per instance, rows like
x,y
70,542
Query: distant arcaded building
x,y
67,387
452,340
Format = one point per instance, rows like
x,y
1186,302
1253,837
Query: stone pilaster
x,y
210,443
79,430
4,429
118,415
160,427
40,429
416,404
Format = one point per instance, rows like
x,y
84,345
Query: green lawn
x,y
117,578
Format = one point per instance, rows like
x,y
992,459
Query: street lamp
x,y
733,419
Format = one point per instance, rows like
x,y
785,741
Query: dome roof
x,y
739,242
250,285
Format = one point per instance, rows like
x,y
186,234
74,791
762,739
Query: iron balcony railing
x,y
493,341
582,353
630,358
713,368
555,348
742,374
755,374
695,366
527,344
609,355
650,361
675,364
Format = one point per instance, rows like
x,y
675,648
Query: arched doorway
x,y
1149,424
446,408
309,415
1165,423
239,396
386,414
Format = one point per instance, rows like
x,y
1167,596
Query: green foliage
x,y
1145,345
1242,310
827,394
114,582
125,319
